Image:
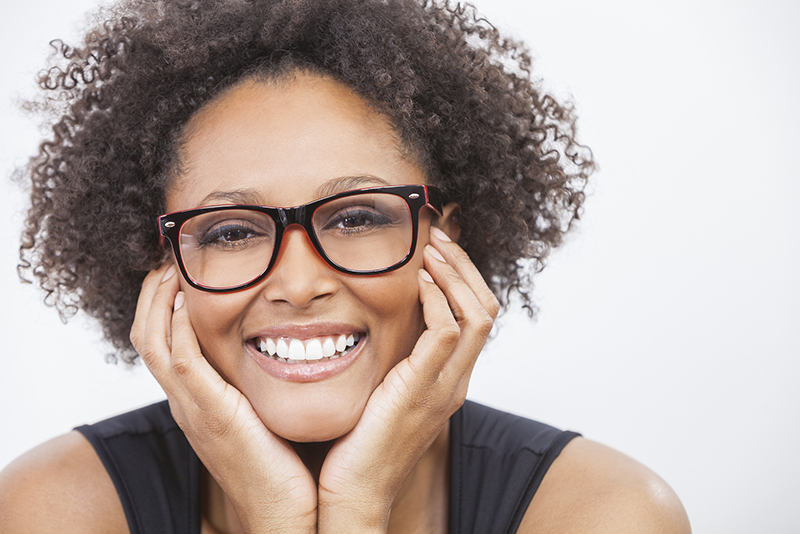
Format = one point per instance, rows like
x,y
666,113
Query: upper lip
x,y
306,331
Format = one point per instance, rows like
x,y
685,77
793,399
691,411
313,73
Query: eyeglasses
x,y
363,232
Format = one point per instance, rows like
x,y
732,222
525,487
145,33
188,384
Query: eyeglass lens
x,y
360,233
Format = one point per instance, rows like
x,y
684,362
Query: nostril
x,y
300,275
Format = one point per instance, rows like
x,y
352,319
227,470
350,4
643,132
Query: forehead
x,y
282,142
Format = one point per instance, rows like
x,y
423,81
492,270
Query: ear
x,y
449,221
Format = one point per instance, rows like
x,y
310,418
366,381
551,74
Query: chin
x,y
307,424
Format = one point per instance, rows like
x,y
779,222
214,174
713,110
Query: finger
x,y
474,320
198,379
434,373
156,344
456,257
464,303
149,287
441,337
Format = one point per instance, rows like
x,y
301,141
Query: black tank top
x,y
497,461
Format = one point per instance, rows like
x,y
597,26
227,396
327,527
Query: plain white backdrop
x,y
669,323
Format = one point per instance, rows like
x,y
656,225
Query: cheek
x,y
216,320
394,302
395,293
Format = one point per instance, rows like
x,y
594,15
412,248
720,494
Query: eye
x,y
232,235
226,235
356,220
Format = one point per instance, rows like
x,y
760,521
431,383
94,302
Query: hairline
x,y
281,74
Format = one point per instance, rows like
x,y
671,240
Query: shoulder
x,y
59,486
591,488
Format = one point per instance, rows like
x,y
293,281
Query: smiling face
x,y
285,144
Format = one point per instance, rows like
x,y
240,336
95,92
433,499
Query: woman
x,y
334,184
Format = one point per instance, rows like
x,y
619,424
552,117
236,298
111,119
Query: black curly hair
x,y
458,93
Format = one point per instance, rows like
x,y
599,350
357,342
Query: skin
x,y
284,146
422,329
310,456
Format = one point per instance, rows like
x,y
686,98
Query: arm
x,y
264,479
365,469
60,486
593,489
266,482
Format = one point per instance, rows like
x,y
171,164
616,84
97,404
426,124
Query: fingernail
x,y
438,233
179,300
425,275
435,253
169,273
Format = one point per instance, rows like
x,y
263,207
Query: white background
x,y
669,323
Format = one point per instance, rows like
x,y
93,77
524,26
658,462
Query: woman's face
x,y
286,144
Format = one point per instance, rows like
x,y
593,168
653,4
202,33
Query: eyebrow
x,y
346,183
331,187
240,196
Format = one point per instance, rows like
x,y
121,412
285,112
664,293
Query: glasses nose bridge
x,y
298,216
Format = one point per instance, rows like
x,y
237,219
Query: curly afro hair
x,y
458,93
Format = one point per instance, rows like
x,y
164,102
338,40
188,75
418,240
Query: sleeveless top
x,y
497,461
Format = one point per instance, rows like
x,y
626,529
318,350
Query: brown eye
x,y
354,220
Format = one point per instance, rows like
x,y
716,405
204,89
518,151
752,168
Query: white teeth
x,y
341,343
328,348
314,350
296,350
282,348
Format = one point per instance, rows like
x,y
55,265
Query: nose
x,y
300,276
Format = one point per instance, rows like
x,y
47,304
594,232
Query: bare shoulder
x,y
60,486
592,488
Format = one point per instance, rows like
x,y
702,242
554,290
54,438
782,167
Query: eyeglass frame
x,y
416,197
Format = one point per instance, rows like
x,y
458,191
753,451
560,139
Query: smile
x,y
292,350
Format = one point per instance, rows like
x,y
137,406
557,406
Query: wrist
x,y
265,521
279,527
363,518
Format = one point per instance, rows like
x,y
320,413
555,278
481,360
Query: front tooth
x,y
296,350
328,348
271,347
351,340
314,350
282,348
341,343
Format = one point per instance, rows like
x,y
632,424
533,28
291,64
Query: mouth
x,y
299,351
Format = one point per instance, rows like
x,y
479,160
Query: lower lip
x,y
306,372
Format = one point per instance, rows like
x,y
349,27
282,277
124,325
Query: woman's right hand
x,y
268,484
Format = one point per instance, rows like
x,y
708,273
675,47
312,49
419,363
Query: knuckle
x,y
480,320
178,414
135,337
450,275
492,304
484,324
460,255
459,398
147,349
204,426
449,334
181,366
422,402
214,428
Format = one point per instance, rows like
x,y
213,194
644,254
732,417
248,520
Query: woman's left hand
x,y
406,413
